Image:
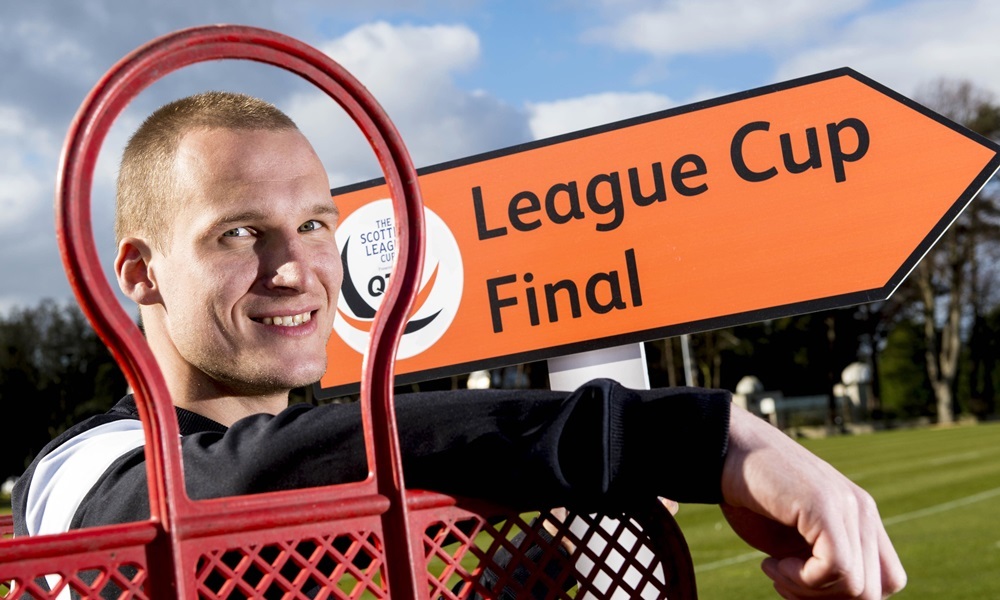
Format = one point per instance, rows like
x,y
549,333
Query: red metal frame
x,y
350,540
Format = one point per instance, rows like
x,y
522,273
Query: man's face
x,y
250,271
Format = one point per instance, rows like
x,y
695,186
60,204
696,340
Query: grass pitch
x,y
938,491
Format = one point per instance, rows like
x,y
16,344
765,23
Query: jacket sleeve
x,y
598,446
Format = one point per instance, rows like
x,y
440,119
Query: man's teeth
x,y
289,321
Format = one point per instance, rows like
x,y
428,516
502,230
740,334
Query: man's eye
x,y
311,225
237,232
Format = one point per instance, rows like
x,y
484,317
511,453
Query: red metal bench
x,y
370,539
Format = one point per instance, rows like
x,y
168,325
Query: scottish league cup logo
x,y
367,242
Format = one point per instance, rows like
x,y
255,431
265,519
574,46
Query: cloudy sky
x,y
457,76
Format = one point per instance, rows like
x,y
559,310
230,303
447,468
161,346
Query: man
x,y
226,242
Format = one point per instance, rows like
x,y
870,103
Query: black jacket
x,y
595,448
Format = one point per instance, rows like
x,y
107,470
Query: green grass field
x,y
938,491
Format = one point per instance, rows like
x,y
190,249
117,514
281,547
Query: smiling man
x,y
225,233
238,290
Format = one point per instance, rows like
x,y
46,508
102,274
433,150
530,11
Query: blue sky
x,y
457,76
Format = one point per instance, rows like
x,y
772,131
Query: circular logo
x,y
367,242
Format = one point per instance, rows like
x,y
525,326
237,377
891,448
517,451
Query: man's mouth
x,y
285,320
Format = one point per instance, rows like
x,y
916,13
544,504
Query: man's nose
x,y
286,265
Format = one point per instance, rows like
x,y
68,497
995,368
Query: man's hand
x,y
822,533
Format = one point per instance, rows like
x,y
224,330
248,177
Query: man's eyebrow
x,y
326,208
320,209
240,217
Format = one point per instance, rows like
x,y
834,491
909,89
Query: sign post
x,y
625,364
813,194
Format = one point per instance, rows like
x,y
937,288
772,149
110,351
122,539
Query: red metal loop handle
x,y
106,101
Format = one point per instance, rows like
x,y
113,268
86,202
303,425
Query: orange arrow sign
x,y
813,194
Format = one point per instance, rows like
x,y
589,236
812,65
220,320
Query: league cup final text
x,y
602,198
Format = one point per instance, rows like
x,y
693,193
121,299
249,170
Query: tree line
x,y
54,371
933,347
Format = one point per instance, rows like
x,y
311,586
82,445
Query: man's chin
x,y
265,384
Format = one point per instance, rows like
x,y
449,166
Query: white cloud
x,y
18,197
25,151
49,49
410,71
676,27
564,116
911,44
29,152
903,45
383,56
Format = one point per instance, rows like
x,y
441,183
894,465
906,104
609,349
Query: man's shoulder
x,y
124,409
80,440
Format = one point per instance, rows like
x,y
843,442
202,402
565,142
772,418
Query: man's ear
x,y
134,273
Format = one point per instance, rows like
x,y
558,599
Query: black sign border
x,y
731,320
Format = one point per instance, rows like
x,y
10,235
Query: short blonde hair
x,y
145,182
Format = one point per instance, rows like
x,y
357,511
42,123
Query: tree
x,y
905,390
54,371
983,360
802,355
952,292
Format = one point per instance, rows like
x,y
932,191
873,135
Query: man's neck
x,y
229,409
195,391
